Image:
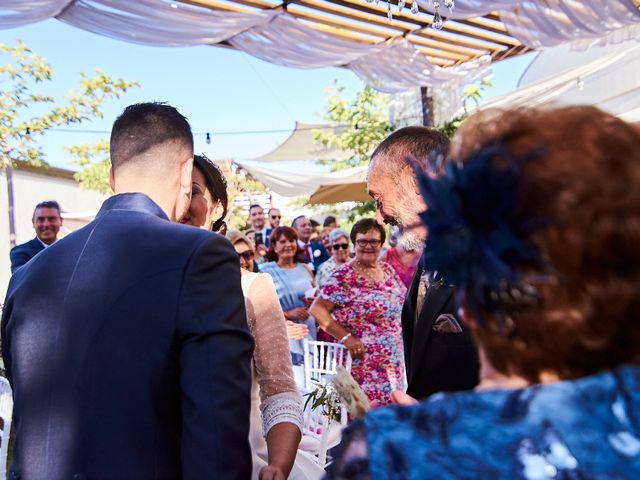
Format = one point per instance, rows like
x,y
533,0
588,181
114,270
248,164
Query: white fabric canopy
x,y
272,35
278,37
286,41
350,186
397,64
538,23
606,77
288,183
151,22
301,146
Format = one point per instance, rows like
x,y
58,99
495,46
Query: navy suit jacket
x,y
436,361
134,363
320,254
21,254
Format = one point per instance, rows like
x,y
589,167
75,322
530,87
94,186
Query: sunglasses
x,y
376,242
276,216
338,246
248,255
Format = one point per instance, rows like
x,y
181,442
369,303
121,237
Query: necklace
x,y
372,273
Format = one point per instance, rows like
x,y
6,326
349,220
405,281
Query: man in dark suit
x,y
260,229
310,251
440,354
135,362
46,222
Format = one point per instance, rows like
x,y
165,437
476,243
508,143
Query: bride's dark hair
x,y
217,186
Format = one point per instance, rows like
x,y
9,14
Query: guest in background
x,y
276,405
261,232
324,238
360,306
311,252
402,260
246,253
46,222
538,223
340,254
330,222
274,218
293,280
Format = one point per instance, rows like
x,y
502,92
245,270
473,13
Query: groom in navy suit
x,y
135,362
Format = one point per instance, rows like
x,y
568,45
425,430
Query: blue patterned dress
x,y
572,430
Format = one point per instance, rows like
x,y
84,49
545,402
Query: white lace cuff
x,y
281,408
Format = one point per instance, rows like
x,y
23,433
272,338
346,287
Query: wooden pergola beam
x,y
362,22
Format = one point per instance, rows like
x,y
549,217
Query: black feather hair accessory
x,y
477,240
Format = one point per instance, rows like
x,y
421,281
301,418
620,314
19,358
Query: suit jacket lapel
x,y
36,244
408,317
435,299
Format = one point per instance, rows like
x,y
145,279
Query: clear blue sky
x,y
218,89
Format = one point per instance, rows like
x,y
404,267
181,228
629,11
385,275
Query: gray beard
x,y
411,242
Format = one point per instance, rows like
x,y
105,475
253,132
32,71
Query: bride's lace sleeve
x,y
280,400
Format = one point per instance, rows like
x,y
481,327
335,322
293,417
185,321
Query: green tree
x,y
93,160
26,114
363,122
472,94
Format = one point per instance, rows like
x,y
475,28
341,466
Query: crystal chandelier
x,y
437,22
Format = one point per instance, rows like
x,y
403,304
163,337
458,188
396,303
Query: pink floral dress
x,y
371,310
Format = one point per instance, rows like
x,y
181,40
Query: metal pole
x,y
427,107
8,170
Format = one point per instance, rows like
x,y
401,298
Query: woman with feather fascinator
x,y
537,222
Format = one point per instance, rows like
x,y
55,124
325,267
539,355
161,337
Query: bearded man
x,y
440,354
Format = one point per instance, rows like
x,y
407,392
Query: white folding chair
x,y
319,434
6,412
321,360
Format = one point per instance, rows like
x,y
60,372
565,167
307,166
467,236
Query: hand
x,y
269,472
401,398
296,331
308,301
356,347
297,313
261,250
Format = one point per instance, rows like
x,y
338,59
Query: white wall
x,y
29,189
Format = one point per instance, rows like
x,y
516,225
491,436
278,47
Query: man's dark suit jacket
x,y
436,361
135,362
317,260
21,254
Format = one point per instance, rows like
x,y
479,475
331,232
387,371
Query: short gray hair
x,y
336,233
428,146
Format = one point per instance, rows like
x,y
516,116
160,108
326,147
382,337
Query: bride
x,y
276,410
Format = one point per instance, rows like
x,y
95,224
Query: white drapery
x,y
545,23
14,13
277,37
156,23
286,41
273,36
396,66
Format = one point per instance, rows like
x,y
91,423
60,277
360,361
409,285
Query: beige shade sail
x,y
302,146
345,186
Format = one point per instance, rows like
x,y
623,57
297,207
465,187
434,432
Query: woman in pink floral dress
x,y
360,306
